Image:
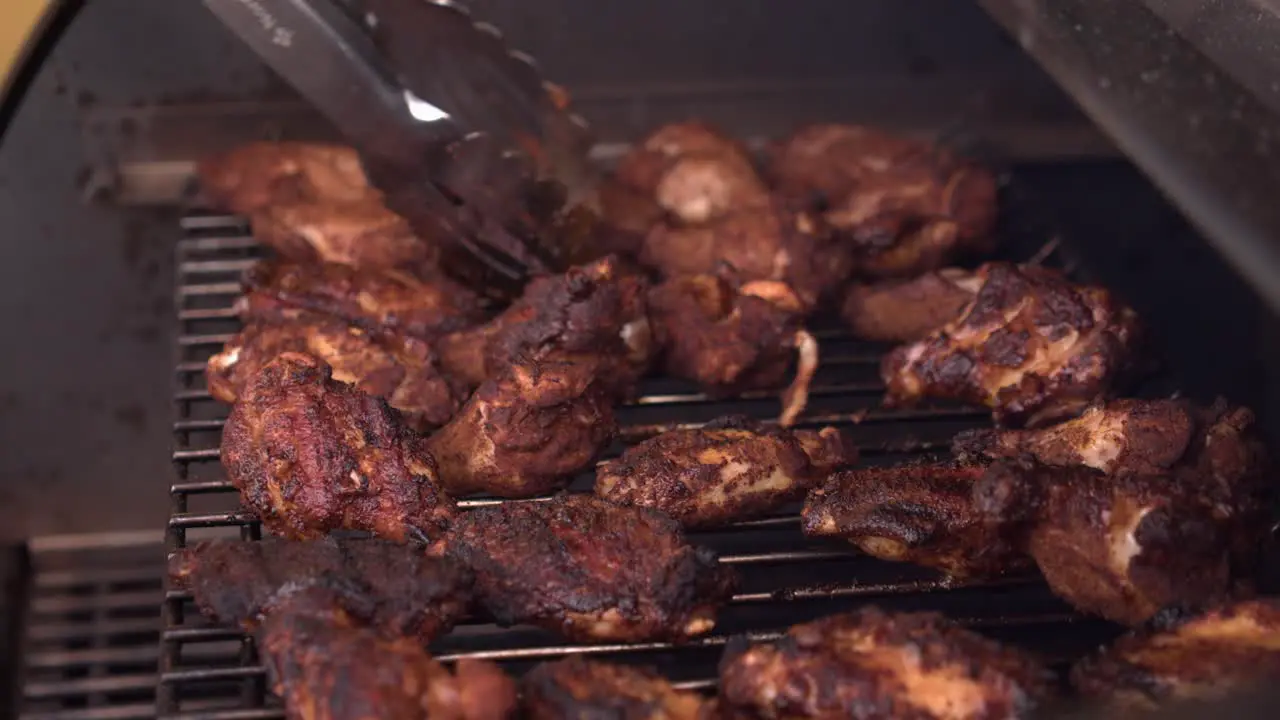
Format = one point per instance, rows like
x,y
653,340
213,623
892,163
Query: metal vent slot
x,y
213,672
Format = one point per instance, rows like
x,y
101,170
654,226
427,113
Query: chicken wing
x,y
923,514
1187,657
578,689
906,207
313,203
731,469
1031,346
771,241
693,172
590,570
908,310
310,455
402,370
381,301
395,589
872,664
327,666
527,431
730,339
598,309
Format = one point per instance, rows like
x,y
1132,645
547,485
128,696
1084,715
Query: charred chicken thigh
x,y
590,570
313,202
373,300
692,172
729,470
729,339
595,309
395,589
527,431
1031,346
310,455
923,514
870,664
401,369
908,310
905,206
770,241
326,665
580,689
1178,656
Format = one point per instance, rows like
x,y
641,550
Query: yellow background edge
x,y
19,22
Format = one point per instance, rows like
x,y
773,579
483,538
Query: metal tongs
x,y
461,134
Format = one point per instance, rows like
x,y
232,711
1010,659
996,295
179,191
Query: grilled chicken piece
x,y
381,301
598,309
580,689
908,310
1222,652
527,431
730,339
310,455
402,370
907,207
923,514
327,666
262,174
690,170
1031,346
731,469
392,588
313,203
590,570
871,664
771,241
361,233
1125,437
1124,547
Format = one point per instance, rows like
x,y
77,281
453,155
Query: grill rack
x,y
212,672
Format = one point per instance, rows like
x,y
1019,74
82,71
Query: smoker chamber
x,y
213,672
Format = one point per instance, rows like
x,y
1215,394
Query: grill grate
x,y
213,671
91,631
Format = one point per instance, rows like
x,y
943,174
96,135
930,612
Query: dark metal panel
x,y
1206,140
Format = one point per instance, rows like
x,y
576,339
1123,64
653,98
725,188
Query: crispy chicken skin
x,y
590,570
1031,346
923,514
327,666
402,370
907,207
580,689
691,171
599,308
310,455
395,589
771,241
383,301
731,338
731,469
527,431
313,202
1178,656
908,310
872,664
1122,547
